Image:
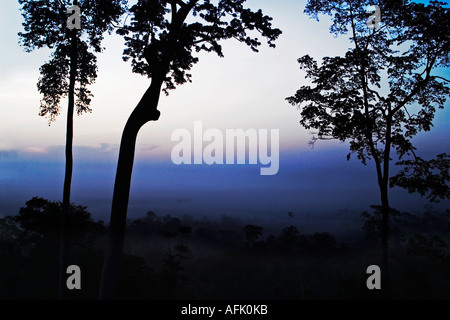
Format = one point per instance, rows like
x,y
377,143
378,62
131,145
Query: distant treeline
x,y
186,258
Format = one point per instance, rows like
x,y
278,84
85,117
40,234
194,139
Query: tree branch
x,y
418,86
183,12
173,5
314,139
205,38
368,131
377,94
180,3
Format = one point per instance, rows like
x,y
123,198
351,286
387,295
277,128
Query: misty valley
x,y
168,257
373,77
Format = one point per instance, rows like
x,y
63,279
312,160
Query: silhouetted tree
x,y
185,231
382,92
431,249
160,39
206,235
322,242
289,237
252,233
138,281
72,64
169,235
28,242
373,224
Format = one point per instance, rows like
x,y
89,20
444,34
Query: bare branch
x,y
418,86
377,94
438,77
407,112
314,139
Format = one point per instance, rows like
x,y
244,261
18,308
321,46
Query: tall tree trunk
x,y
385,209
69,165
145,111
384,227
384,238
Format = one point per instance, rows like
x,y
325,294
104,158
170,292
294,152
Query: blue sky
x,y
242,90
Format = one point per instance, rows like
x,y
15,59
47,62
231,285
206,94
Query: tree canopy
x,y
382,93
161,41
45,25
385,90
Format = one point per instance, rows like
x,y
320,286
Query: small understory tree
x,y
382,92
162,38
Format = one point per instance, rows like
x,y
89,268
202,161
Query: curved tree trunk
x,y
69,166
145,111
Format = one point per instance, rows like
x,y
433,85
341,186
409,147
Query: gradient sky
x,y
243,90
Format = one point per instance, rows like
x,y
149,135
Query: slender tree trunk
x,y
145,111
385,209
69,166
384,229
384,238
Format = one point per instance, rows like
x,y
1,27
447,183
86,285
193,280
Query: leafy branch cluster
x,y
45,25
161,44
384,91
